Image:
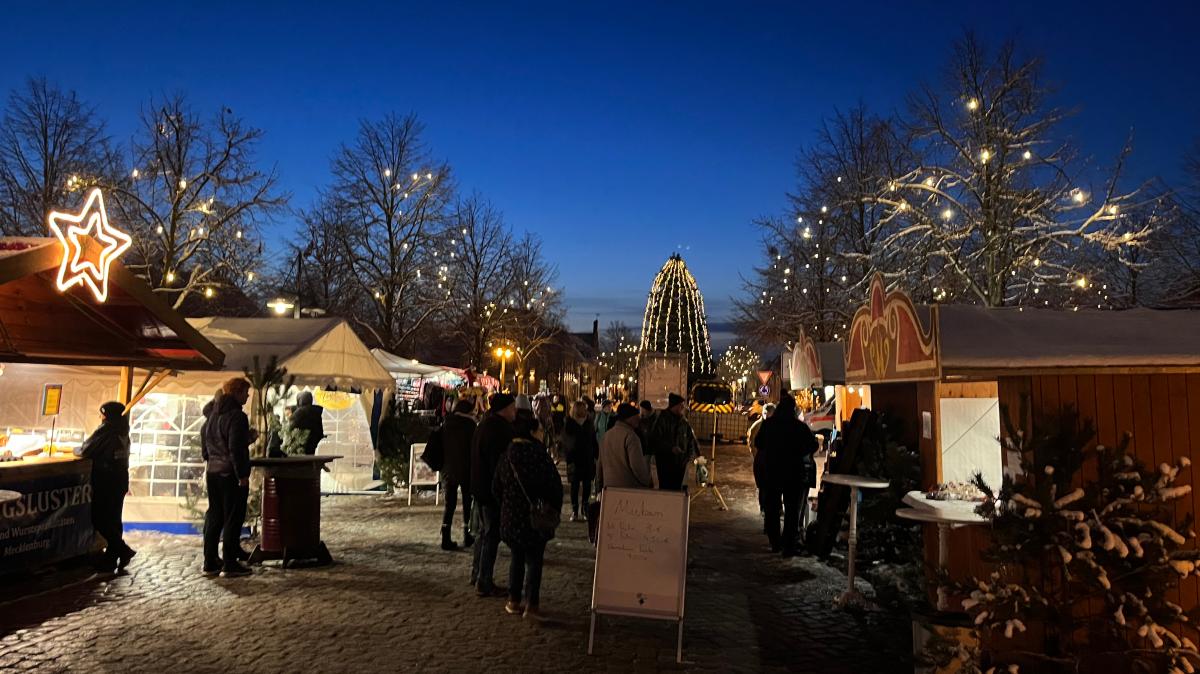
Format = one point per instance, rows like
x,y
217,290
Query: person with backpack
x,y
530,495
455,436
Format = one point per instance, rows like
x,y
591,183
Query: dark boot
x,y
468,539
447,544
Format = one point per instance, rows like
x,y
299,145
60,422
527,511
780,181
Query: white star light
x,y
92,220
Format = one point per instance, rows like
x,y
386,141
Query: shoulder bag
x,y
543,517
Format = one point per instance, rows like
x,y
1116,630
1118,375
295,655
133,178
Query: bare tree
x,y
195,199
534,309
616,335
51,144
319,272
393,199
995,202
482,277
822,252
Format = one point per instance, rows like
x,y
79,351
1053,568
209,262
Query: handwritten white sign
x,y
641,553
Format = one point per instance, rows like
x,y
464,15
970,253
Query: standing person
x,y
225,441
558,414
488,444
622,460
457,434
755,427
673,443
525,477
579,441
108,449
645,410
604,420
783,444
307,416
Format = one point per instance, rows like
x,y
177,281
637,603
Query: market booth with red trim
x,y
949,370
132,332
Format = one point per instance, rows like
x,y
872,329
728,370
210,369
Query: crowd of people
x,y
502,465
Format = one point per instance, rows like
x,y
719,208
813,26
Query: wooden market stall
x,y
949,371
126,329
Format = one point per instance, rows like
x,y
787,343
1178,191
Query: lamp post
x,y
503,354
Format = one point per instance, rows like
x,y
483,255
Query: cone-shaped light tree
x,y
675,321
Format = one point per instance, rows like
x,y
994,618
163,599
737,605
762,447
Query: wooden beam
x,y
146,389
125,385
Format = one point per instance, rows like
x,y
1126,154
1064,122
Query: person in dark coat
x,y
457,433
525,475
671,440
307,416
225,441
580,451
784,444
488,444
108,449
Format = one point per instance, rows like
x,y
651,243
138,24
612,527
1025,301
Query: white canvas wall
x,y
970,431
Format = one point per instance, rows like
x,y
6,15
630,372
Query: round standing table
x,y
855,482
291,509
8,496
945,519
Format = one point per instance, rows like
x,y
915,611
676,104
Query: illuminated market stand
x,y
70,302
946,371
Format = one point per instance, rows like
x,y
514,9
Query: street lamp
x,y
503,354
281,306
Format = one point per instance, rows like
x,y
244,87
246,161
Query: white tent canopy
x,y
401,367
316,351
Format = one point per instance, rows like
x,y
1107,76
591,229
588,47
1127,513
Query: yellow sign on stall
x,y
52,400
333,400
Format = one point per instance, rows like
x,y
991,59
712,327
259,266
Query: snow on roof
x,y
974,338
317,351
11,245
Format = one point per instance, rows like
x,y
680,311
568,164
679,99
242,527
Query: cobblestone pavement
x,y
396,602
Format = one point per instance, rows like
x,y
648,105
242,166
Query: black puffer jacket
x,y
457,433
784,444
108,446
225,438
489,443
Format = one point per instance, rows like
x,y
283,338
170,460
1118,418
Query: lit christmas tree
x,y
675,321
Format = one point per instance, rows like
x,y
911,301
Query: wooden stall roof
x,y
134,327
893,340
976,340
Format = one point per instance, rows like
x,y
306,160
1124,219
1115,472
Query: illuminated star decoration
x,y
74,268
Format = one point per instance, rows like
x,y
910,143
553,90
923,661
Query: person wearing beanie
x,y
784,444
672,442
457,433
622,461
108,450
488,444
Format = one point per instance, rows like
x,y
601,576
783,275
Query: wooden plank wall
x,y
1161,411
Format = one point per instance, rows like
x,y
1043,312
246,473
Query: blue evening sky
x,y
619,132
